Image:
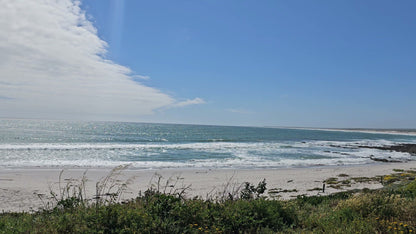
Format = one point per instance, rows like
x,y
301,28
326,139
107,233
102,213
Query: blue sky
x,y
262,63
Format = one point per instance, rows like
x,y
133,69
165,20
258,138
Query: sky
x,y
342,64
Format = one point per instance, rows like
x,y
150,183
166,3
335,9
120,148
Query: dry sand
x,y
21,189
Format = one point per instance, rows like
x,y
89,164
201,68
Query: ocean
x,y
63,144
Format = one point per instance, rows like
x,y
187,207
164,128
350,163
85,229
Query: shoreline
x,y
22,189
404,132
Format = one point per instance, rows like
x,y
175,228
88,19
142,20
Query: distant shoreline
x,y
407,132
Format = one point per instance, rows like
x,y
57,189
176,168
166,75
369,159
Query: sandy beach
x,y
29,189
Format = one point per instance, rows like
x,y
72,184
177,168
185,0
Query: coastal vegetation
x,y
163,208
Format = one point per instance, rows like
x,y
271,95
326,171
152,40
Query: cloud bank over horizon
x,y
53,65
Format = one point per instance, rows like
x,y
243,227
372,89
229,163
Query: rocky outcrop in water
x,y
407,148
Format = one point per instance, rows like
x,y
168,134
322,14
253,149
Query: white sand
x,y
20,188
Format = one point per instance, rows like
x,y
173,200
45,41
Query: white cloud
x,y
52,64
188,102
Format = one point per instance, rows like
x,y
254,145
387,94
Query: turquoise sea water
x,y
36,143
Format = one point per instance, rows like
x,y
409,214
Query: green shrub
x,y
250,192
316,200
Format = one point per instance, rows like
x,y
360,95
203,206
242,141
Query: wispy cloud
x,y
52,64
5,98
189,102
239,111
140,77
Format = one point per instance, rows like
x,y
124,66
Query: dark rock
x,y
383,160
406,148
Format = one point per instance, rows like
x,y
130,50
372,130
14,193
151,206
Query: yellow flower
x,y
388,177
389,227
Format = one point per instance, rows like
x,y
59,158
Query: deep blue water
x,y
37,143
